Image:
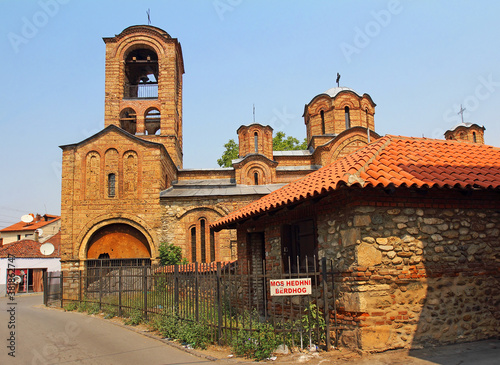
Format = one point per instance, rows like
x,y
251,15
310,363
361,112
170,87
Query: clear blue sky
x,y
418,60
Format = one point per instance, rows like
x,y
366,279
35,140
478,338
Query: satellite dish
x,y
39,231
47,248
27,218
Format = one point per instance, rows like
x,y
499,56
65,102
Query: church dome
x,y
335,90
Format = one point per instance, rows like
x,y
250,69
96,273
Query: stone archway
x,y
118,241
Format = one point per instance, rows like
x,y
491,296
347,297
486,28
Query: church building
x,y
125,191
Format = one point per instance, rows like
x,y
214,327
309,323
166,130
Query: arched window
x,y
128,120
347,118
256,178
322,113
474,137
366,118
212,246
256,142
193,244
152,122
202,240
111,185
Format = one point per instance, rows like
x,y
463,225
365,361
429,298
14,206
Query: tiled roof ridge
x,y
355,177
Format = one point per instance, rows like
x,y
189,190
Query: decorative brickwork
x,y
466,132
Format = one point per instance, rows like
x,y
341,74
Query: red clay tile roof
x,y
391,160
21,226
31,249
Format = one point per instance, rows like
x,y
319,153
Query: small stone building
x,y
413,228
125,190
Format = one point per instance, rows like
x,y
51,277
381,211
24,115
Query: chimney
x,y
36,235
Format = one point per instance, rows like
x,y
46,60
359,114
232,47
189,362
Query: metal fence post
x,y
100,285
219,304
61,283
326,309
80,286
196,295
45,288
120,291
145,290
176,289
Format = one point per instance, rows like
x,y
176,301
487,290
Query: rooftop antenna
x,y
461,112
254,113
149,16
338,80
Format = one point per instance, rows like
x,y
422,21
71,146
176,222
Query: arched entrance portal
x,y
118,241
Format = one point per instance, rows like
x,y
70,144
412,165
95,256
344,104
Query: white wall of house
x,y
51,264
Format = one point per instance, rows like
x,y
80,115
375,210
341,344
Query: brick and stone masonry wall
x,y
408,277
414,276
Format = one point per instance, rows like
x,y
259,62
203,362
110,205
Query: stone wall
x,y
414,277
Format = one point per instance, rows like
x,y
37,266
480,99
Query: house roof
x,y
22,226
391,160
31,249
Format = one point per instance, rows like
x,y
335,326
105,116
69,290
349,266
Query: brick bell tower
x,y
143,93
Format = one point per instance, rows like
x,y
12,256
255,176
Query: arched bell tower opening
x,y
141,74
128,120
119,242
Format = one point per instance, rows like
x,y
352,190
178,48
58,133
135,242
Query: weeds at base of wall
x,y
258,343
195,333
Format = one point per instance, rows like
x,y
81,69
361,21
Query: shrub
x,y
135,317
258,343
71,306
170,254
166,324
110,311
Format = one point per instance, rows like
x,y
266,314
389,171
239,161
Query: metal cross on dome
x,y
338,80
461,112
149,16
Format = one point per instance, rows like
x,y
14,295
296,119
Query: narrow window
x,y
256,178
322,113
347,118
366,118
256,142
111,185
202,240
193,244
474,137
212,246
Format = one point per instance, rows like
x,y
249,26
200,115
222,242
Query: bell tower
x,y
143,91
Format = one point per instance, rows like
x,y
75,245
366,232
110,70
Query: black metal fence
x,y
227,296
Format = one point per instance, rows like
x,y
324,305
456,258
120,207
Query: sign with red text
x,y
290,286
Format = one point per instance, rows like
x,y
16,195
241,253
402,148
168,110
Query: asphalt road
x,y
49,336
44,336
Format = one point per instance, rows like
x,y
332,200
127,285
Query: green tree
x,y
230,153
280,143
170,254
